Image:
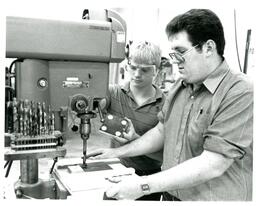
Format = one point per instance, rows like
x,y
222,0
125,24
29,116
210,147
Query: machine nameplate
x,y
99,27
75,84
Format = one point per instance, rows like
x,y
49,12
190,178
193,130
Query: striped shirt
x,y
120,102
217,117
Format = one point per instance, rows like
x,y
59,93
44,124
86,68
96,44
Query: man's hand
x,y
129,136
103,153
125,188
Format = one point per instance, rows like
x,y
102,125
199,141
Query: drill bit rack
x,y
33,133
32,136
40,142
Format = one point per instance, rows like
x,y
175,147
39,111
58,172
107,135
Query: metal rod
x,y
29,171
247,46
8,168
54,162
7,162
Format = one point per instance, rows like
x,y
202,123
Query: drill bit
x,y
44,119
35,122
51,121
31,119
39,118
15,116
21,119
26,125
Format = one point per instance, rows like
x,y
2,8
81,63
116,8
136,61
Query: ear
x,y
209,47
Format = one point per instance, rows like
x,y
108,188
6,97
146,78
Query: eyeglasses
x,y
144,69
178,57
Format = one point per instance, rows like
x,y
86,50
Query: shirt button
x,y
192,97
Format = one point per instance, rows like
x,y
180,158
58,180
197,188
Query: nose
x,y
137,73
176,61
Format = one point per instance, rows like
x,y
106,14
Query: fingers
x,y
103,103
104,153
124,187
114,179
112,192
122,140
130,121
130,136
94,154
127,137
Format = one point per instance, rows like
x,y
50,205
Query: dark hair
x,y
201,25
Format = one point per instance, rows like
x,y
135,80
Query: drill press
x,y
63,59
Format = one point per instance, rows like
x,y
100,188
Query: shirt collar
x,y
126,89
213,80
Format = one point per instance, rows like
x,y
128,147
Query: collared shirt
x,y
217,117
120,102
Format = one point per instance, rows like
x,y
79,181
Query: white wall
x,y
148,22
150,25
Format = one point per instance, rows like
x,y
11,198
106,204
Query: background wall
x,y
148,22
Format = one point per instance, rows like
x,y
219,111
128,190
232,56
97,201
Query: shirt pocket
x,y
196,128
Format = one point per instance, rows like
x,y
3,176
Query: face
x,y
141,75
190,61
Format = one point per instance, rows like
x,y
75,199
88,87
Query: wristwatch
x,y
144,186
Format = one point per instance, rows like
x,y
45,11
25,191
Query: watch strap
x,y
144,186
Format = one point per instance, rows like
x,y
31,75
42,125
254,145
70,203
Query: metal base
x,y
41,190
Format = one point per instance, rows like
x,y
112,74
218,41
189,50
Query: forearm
x,y
190,173
151,141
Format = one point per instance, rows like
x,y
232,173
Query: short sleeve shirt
x,y
120,102
217,117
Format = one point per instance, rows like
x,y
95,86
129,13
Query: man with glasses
x,y
139,101
206,124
